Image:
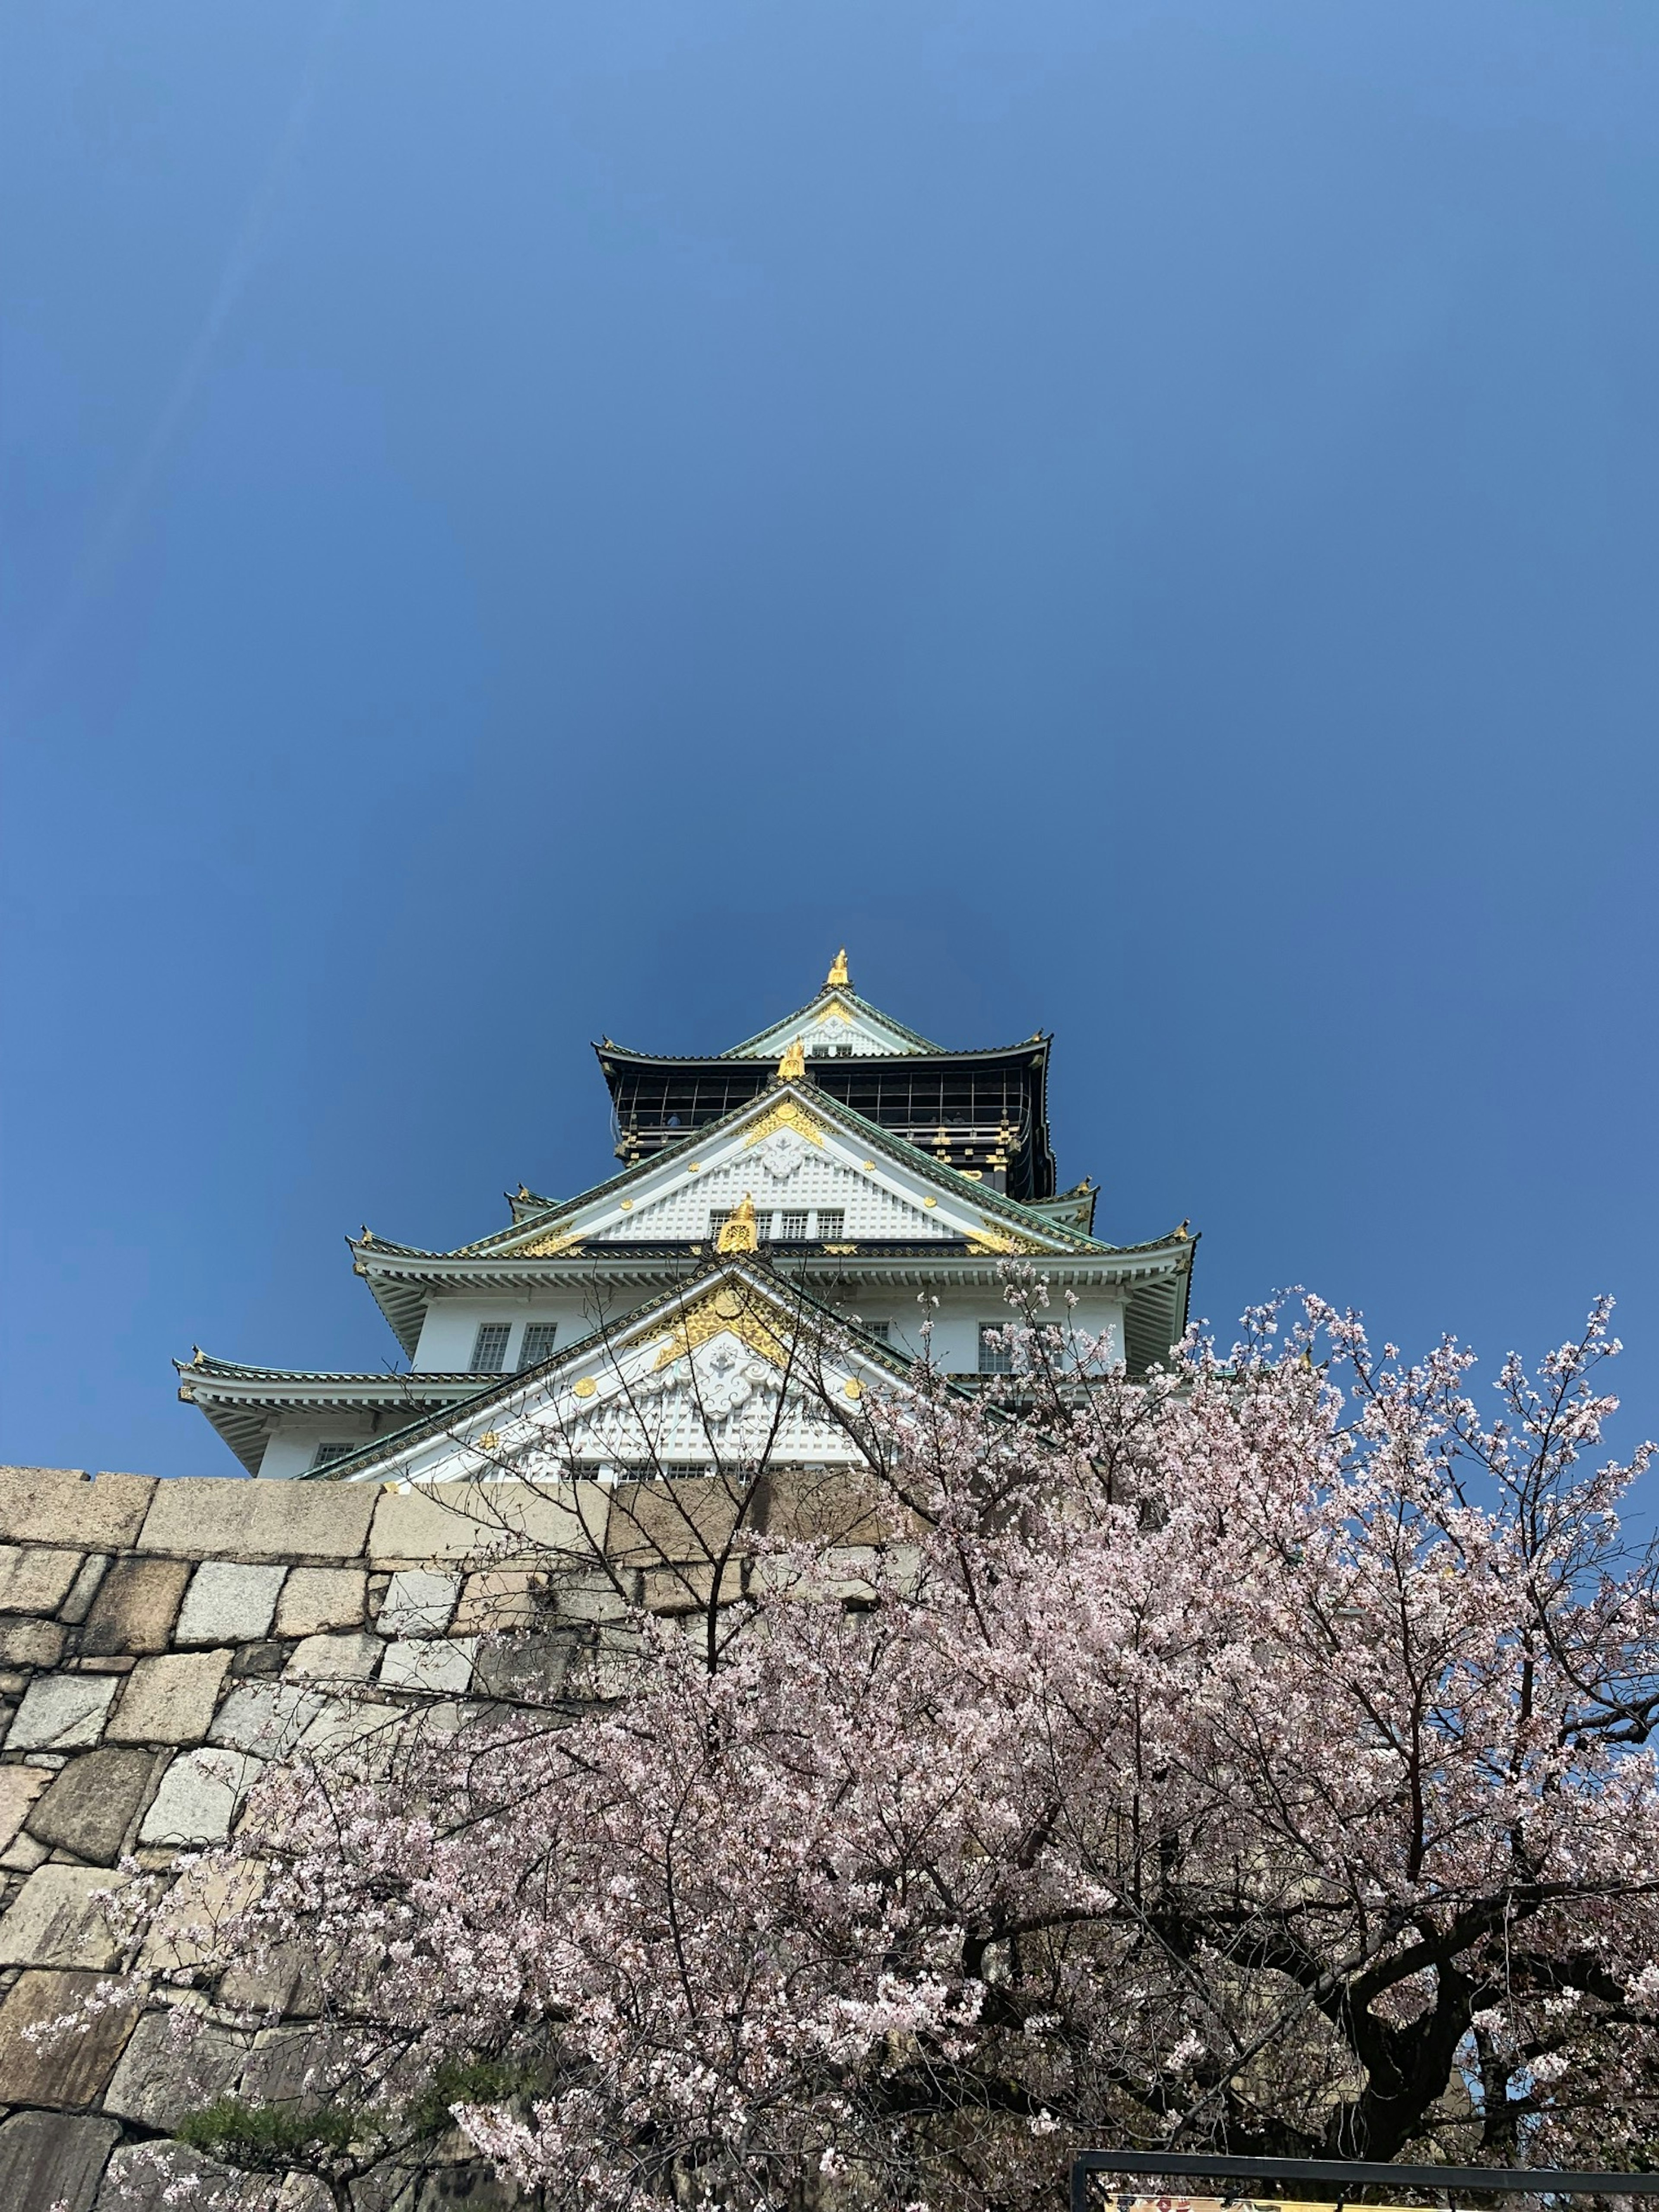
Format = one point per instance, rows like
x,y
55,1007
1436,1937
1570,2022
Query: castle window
x,y
717,1220
794,1229
881,1330
490,1351
762,1227
832,1223
993,1358
539,1337
325,1453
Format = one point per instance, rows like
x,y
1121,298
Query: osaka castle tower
x,y
836,1170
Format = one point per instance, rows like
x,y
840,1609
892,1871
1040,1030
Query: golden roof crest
x,y
738,1232
838,978
792,1065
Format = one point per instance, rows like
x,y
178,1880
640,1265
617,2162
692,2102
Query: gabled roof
x,y
989,1213
735,1296
838,1006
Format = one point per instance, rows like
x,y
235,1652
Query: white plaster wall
x,y
450,1326
957,1316
294,1442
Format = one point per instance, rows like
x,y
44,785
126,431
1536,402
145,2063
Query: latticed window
x,y
832,1223
717,1219
539,1337
489,1351
994,1358
762,1227
793,1229
325,1453
881,1330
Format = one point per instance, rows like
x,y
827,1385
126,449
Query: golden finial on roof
x,y
738,1232
792,1065
838,977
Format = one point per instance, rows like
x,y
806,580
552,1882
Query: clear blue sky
x,y
528,520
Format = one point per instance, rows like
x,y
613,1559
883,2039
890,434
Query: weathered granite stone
x,y
161,2077
316,1599
25,1643
170,1698
264,1659
680,1519
586,1597
19,1788
140,2175
48,2159
266,1717
205,1517
200,1795
22,1855
499,1597
487,1521
432,1663
62,1711
418,1602
229,1603
532,1668
470,2185
92,1803
68,2070
345,1722
58,1920
33,1579
84,1587
334,1658
195,1924
59,1505
136,1607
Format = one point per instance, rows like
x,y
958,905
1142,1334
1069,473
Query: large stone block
x,y
67,2070
197,1922
442,1662
498,1598
146,2178
136,1607
92,1803
317,1599
418,1602
229,1603
19,1788
268,1718
334,1658
60,1712
489,1521
57,1920
34,1578
164,2074
48,2160
200,1795
528,1669
59,1506
25,1643
685,1519
217,1516
170,1698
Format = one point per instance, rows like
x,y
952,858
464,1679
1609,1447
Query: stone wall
x,y
159,1640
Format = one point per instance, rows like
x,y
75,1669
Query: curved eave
x,y
1027,1049
237,1401
1155,1277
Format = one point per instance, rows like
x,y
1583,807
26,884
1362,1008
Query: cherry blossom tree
x,y
1252,1755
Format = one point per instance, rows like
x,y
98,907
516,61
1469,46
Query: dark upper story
x,y
982,1112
